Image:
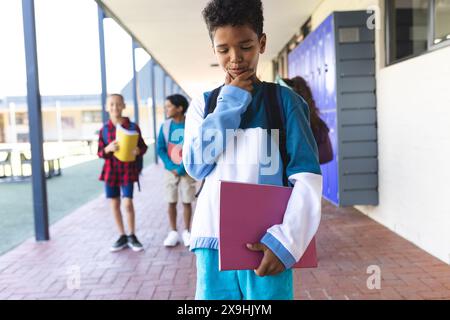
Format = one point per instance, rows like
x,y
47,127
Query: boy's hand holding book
x,y
270,264
136,151
112,147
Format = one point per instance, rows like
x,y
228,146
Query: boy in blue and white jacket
x,y
178,183
210,152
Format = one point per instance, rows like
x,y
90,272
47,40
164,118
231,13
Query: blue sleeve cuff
x,y
234,90
279,250
241,96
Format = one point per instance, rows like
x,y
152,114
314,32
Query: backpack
x,y
139,158
320,133
275,118
323,142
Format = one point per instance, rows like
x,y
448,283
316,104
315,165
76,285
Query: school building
x,y
379,71
79,117
400,111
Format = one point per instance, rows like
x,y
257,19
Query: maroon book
x,y
246,212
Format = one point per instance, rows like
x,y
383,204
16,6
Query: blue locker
x,y
342,80
328,106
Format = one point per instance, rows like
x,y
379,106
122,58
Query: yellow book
x,y
128,141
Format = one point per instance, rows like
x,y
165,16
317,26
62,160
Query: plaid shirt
x,y
116,172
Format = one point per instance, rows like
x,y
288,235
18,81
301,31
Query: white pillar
x,y
12,123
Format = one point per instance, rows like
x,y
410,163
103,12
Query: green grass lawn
x,y
16,206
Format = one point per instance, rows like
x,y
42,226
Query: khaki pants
x,y
186,184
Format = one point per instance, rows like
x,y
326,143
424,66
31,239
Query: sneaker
x,y
120,244
172,239
134,243
186,236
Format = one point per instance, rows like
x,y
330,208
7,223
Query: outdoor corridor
x,y
348,243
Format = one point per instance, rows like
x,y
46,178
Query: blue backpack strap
x,y
105,134
211,101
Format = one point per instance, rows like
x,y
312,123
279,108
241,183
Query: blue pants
x,y
213,284
114,192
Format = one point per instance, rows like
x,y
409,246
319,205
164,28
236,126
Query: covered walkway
x,y
348,243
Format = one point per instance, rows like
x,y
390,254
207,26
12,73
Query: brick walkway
x,y
348,243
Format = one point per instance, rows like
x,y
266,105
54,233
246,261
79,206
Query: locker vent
x,y
349,35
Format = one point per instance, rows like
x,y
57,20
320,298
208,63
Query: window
x,y
92,116
409,24
441,21
21,118
68,122
415,27
23,137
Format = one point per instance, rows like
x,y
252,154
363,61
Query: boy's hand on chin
x,y
243,81
270,264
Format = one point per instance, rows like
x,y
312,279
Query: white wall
x,y
413,139
265,71
414,151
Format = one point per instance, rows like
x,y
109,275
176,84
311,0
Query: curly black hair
x,y
179,100
220,13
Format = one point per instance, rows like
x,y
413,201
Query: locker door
x,y
332,96
305,72
330,66
299,59
330,99
291,62
296,62
319,97
313,65
330,170
317,63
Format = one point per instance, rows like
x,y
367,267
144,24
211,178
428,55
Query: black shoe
x,y
120,244
134,243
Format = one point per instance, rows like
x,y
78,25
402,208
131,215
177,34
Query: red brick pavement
x,y
348,243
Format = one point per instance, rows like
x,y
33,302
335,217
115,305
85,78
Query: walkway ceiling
x,y
174,33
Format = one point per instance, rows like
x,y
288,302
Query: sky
x,y
68,49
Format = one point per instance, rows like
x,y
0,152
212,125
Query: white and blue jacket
x,y
238,109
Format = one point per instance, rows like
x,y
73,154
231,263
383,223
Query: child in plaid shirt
x,y
120,176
